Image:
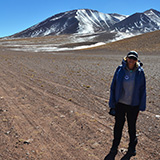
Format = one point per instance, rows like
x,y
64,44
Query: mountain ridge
x,y
87,21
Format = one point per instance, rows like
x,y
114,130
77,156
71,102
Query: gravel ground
x,y
54,106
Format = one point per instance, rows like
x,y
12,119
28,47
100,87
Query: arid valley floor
x,y
54,105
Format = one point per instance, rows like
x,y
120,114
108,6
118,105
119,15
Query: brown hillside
x,y
146,43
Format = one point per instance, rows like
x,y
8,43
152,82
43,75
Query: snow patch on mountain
x,y
85,24
51,48
154,16
119,17
91,21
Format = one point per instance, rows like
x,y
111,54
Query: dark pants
x,y
122,112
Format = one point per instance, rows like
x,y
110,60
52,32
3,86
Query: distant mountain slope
x,y
146,43
85,22
153,15
139,22
76,21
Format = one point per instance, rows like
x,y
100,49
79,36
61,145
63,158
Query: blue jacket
x,y
139,92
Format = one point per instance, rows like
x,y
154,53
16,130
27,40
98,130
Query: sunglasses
x,y
134,58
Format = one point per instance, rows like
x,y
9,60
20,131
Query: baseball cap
x,y
132,54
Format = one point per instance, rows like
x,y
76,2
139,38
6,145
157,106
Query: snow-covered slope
x,y
76,21
139,23
153,15
86,21
91,21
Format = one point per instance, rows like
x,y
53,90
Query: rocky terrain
x,y
54,105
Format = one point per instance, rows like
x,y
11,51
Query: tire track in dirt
x,y
82,89
27,118
82,120
21,111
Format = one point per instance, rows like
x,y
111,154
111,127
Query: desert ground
x,y
54,105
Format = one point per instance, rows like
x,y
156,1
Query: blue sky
x,y
17,15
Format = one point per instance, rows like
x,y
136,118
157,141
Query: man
x,y
127,98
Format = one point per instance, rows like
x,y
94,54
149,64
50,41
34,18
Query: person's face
x,y
131,61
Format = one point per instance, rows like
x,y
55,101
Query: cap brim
x,y
132,55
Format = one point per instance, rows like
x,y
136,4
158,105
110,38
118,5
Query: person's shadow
x,y
110,156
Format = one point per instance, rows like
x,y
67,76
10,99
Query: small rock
x,y
27,153
62,116
111,127
71,111
102,117
56,107
95,145
5,120
157,116
16,135
8,132
150,129
28,141
70,99
101,130
52,123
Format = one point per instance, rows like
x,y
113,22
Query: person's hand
x,y
112,112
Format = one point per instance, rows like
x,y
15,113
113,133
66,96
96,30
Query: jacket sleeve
x,y
112,100
142,106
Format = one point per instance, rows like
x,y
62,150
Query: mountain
x,y
153,15
86,21
76,21
139,22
